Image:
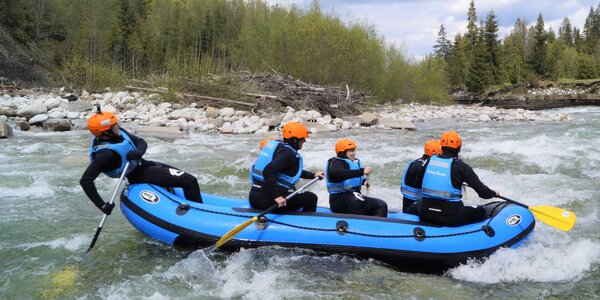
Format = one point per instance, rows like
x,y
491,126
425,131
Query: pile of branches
x,y
288,91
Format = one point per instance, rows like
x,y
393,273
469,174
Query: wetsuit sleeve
x,y
283,161
340,171
466,174
103,161
307,174
140,145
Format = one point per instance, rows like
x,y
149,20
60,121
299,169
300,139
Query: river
x,y
47,222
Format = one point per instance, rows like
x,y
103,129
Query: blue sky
x,y
414,24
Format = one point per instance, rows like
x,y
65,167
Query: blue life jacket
x,y
351,184
265,157
409,192
437,181
121,148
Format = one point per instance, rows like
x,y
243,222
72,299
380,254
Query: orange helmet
x,y
432,147
294,130
343,145
450,139
101,122
265,141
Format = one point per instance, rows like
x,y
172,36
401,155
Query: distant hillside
x,y
17,65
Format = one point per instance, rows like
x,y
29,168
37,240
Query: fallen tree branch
x,y
135,88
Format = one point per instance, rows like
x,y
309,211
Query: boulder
x,y
160,132
23,125
38,119
57,125
226,128
32,110
8,112
368,119
79,106
5,130
316,127
212,112
397,124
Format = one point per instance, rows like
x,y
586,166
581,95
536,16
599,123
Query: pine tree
x,y
565,32
538,53
479,73
472,30
492,47
457,62
442,45
515,52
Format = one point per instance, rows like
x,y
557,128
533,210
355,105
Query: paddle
x,y
112,200
231,233
553,216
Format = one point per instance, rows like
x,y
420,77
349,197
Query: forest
x,y
96,44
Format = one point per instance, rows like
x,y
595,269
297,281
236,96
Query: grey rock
x,y
79,106
32,110
212,112
8,112
368,119
218,122
5,130
38,119
169,133
57,125
397,124
23,125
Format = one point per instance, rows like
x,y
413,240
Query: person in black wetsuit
x,y
112,147
413,176
345,176
278,168
442,187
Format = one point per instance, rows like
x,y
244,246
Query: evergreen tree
x,y
457,62
515,53
472,30
578,41
492,47
479,73
538,53
565,32
442,45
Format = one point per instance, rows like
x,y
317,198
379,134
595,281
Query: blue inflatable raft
x,y
400,240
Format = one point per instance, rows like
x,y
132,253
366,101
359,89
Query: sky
x,y
414,24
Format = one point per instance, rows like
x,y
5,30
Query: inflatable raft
x,y
400,240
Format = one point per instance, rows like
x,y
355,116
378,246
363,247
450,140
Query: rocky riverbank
x,y
147,114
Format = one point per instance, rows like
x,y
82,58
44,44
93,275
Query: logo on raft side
x,y
513,220
149,197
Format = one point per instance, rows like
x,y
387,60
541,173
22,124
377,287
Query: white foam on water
x,y
42,147
38,188
533,261
190,269
71,243
239,279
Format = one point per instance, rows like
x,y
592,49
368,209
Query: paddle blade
x,y
554,216
231,233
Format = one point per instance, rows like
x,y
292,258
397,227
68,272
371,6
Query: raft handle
x,y
341,227
419,234
489,231
182,209
261,224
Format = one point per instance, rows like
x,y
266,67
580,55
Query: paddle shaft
x,y
231,233
513,201
112,200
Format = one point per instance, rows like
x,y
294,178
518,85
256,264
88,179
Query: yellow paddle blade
x,y
554,216
231,233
